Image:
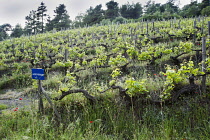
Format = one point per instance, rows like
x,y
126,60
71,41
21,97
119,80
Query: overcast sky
x,y
15,11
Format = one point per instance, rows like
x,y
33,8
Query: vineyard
x,y
119,69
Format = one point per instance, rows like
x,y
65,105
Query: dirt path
x,y
15,99
16,103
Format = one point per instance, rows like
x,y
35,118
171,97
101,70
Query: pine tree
x,y
31,23
61,19
205,3
94,15
112,10
133,11
41,15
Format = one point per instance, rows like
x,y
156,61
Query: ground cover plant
x,y
140,80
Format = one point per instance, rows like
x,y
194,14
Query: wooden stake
x,y
194,36
41,106
202,28
147,27
203,64
66,55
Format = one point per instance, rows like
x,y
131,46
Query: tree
x,y
171,7
41,15
78,22
17,31
61,19
151,7
204,4
31,23
94,15
206,11
112,10
133,11
124,11
158,11
49,24
153,10
137,11
35,20
190,10
3,31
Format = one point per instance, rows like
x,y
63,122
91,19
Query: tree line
x,y
38,21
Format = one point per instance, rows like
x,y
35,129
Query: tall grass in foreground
x,y
108,121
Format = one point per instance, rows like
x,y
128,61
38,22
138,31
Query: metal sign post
x,y
41,105
39,74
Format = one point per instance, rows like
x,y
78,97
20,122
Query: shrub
x,y
3,106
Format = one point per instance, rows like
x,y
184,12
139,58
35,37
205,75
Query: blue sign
x,y
38,74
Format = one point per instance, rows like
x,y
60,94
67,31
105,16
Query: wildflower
x,y
155,74
16,109
91,121
165,75
20,98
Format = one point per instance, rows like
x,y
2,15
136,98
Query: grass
x,y
3,106
16,81
109,121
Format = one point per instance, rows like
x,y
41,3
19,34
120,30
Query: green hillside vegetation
x,y
121,81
